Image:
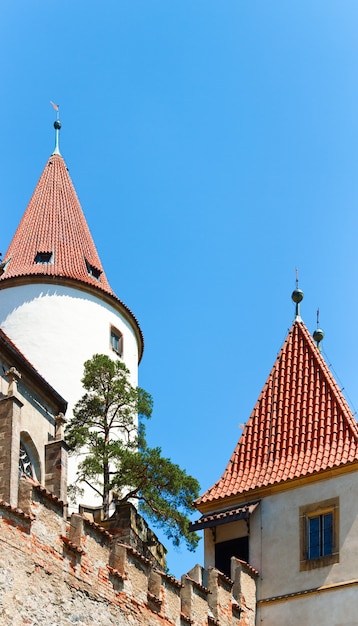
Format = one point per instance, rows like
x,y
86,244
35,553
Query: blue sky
x,y
214,149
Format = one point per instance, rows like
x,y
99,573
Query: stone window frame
x,y
317,509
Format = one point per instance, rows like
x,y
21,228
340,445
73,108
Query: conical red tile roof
x,y
53,241
300,425
54,223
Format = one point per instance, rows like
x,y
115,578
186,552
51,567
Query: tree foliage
x,y
116,457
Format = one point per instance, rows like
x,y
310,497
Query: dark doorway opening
x,y
226,549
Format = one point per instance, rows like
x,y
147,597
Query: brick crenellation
x,y
57,571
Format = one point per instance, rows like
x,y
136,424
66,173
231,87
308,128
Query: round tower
x,y
55,301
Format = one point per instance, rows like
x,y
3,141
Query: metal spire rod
x,y
318,334
57,126
297,297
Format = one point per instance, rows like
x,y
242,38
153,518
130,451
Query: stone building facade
x,y
31,426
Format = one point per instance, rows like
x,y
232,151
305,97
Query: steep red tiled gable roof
x,y
54,223
301,424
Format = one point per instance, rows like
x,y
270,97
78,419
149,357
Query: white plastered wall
x,y
58,328
275,537
337,607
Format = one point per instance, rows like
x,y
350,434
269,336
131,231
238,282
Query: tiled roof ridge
x,y
333,383
301,424
325,369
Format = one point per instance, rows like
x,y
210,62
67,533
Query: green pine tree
x,y
116,457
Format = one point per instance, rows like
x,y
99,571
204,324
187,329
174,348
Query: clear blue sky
x,y
214,148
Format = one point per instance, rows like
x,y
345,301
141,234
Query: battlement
x,y
58,571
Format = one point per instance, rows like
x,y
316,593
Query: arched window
x,y
29,460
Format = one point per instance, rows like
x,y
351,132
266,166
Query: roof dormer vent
x,y
44,257
3,266
93,271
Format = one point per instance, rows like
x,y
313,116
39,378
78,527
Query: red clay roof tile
x,y
300,424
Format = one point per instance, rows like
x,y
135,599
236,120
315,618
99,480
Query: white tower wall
x,y
58,328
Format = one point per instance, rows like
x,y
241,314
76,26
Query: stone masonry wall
x,y
54,573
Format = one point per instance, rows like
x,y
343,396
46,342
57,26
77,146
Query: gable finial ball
x,y
297,295
318,335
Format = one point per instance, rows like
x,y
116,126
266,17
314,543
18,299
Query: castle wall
x,y
52,572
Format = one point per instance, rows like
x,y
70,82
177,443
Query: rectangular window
x,y
116,340
319,534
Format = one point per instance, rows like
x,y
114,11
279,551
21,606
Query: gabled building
x,y
287,502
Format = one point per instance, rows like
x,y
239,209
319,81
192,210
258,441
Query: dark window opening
x,y
43,257
25,464
93,271
116,340
226,549
320,535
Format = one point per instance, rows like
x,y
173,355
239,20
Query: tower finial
x,y
297,297
57,127
318,334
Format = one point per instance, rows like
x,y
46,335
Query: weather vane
x,y
57,109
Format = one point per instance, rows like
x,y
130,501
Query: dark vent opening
x,y
93,271
3,265
43,257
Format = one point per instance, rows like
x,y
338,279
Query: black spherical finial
x,y
57,124
318,335
297,295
